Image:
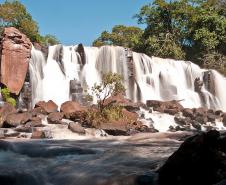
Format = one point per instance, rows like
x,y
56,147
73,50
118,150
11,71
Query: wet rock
x,y
5,111
171,111
37,134
55,118
182,121
201,119
2,135
16,53
224,119
211,117
219,113
11,133
22,128
73,110
76,127
34,122
201,159
13,120
120,100
48,107
198,85
38,111
169,106
196,125
188,113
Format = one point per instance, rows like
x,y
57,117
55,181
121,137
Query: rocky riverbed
x,y
121,160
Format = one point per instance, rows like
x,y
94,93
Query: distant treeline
x,y
192,30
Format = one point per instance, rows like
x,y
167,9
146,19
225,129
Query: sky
x,y
81,21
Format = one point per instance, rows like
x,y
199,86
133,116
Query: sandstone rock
x,y
73,110
170,106
13,120
22,128
124,102
38,134
76,127
188,112
16,52
34,122
200,160
5,111
55,118
48,107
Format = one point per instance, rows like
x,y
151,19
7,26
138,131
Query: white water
x,y
153,78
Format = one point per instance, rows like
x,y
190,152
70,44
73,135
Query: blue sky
x,y
81,21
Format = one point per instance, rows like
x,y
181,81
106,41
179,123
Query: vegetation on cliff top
x,y
185,29
13,13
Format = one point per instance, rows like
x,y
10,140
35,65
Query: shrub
x,y
6,96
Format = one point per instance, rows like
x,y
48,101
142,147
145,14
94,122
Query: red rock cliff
x,y
15,55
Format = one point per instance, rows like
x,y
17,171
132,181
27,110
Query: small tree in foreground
x,y
111,85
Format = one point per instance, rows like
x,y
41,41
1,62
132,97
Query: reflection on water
x,y
116,161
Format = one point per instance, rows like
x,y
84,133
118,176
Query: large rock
x,y
124,102
76,127
13,120
201,159
5,111
73,110
15,56
55,118
171,107
47,107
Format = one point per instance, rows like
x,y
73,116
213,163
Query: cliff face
x,y
15,56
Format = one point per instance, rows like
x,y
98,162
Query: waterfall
x,y
145,78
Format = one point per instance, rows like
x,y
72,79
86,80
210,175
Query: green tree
x,y
50,40
126,36
13,13
111,85
185,29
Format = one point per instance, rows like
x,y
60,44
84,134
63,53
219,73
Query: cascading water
x,y
144,77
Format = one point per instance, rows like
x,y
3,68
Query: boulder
x,y
76,127
73,110
37,134
5,111
2,135
16,53
120,100
201,159
48,107
34,122
15,119
188,113
55,118
171,107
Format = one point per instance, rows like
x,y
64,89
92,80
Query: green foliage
x,y
126,36
13,13
49,40
109,113
184,29
6,96
111,85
